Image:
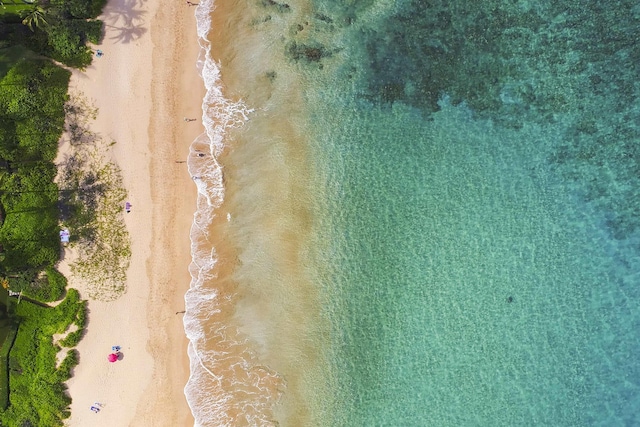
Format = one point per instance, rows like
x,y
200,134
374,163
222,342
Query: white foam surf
x,y
224,387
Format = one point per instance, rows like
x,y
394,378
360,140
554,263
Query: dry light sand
x,y
143,86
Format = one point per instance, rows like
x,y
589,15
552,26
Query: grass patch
x,y
104,258
92,201
14,7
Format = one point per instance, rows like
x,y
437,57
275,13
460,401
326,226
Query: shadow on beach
x,y
126,18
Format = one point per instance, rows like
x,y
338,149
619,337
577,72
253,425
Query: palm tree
x,y
34,18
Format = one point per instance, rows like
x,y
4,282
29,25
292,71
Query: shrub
x,y
73,338
93,31
57,284
69,362
48,288
68,44
81,316
83,9
37,392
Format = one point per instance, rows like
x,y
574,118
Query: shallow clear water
x,y
474,289
429,216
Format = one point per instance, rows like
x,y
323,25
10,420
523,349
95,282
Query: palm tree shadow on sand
x,y
126,17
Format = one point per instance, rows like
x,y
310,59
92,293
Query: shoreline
x,y
143,85
256,300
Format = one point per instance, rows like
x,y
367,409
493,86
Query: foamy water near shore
x,y
246,356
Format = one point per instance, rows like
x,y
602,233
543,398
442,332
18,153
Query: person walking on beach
x,y
186,119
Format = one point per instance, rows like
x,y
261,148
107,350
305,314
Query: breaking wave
x,y
225,387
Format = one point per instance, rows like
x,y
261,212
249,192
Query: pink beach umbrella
x,y
113,357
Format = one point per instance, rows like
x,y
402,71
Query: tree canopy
x,y
59,29
33,94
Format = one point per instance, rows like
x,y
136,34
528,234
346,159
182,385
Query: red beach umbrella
x,y
113,357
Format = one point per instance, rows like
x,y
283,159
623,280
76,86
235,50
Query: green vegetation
x,y
32,96
34,17
59,29
33,107
37,391
8,335
81,316
9,56
12,7
72,339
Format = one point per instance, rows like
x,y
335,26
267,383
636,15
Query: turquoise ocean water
x,y
430,211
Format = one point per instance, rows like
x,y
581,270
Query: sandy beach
x,y
144,85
